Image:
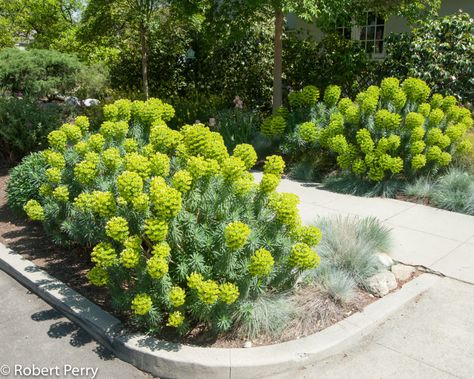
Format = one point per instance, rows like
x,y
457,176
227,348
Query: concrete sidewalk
x,y
32,334
435,238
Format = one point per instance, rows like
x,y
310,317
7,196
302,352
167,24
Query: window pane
x,y
370,33
347,33
379,47
362,34
379,33
370,47
371,18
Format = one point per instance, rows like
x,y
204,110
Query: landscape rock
x,y
402,272
385,259
382,283
247,344
91,102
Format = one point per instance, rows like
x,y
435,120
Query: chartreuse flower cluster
x,y
179,230
397,130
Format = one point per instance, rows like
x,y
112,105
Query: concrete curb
x,y
171,360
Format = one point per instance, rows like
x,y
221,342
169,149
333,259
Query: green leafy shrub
x,y
237,126
180,233
439,51
392,132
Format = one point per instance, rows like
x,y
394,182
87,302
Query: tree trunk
x,y
144,51
278,61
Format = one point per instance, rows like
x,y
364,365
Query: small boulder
x,y
382,283
91,102
247,344
402,272
385,259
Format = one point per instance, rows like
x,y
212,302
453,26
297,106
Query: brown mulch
x,y
70,265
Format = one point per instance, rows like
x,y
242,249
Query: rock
x,y
382,283
402,272
248,344
91,102
72,100
385,259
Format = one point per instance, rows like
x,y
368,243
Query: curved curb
x,y
171,360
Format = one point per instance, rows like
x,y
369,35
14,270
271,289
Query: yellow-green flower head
x,y
448,102
157,267
160,164
348,156
177,296
369,104
34,210
182,181
244,185
396,165
436,137
45,189
103,203
129,185
416,90
370,159
111,129
57,140
117,229
285,207
228,293
208,291
164,139
310,95
283,112
84,202
352,114
295,99
308,132
162,250
385,119
247,154
104,254
435,117
142,304
133,242
141,202
236,234
393,141
148,150
274,164
373,91
436,101
98,276
359,167
310,235
360,97
121,202
338,144
418,161
110,112
303,257
389,87
197,138
61,193
54,159
414,120
464,147
130,145
96,142
81,147
111,158
156,229
269,183
198,167
444,159
433,153
399,100
135,162
124,109
385,161
365,141
92,157
129,258
424,109
85,172
194,280
332,95
343,104
83,123
417,147
53,175
261,263
376,173
73,132
217,150
175,319
233,168
417,134
453,114
273,126
166,200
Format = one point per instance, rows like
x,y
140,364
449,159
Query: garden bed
x,y
71,266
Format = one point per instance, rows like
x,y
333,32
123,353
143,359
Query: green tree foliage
x,y
439,51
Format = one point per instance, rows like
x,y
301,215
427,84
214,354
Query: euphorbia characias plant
x,y
178,229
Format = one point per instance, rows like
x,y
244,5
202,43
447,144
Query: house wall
x,y
394,24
